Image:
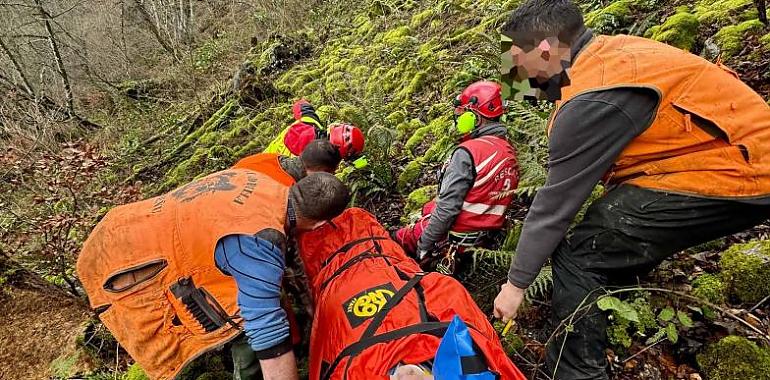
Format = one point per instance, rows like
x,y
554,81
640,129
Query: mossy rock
x,y
730,39
410,174
611,17
735,358
679,30
419,197
719,11
746,270
710,288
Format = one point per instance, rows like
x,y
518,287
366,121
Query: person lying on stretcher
x,y
378,316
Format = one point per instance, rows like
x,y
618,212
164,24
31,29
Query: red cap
x,y
298,136
484,98
349,140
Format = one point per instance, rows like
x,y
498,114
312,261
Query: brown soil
x,y
38,323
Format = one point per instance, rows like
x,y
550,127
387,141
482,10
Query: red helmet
x,y
349,140
483,97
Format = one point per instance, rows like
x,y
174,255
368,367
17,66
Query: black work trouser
x,y
626,234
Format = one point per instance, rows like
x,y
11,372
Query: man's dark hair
x,y
545,18
321,155
319,196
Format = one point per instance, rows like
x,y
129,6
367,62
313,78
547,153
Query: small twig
x,y
759,303
643,350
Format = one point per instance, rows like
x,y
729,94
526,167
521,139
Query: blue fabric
x,y
456,343
257,266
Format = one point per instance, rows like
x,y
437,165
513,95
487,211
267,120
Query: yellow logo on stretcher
x,y
369,304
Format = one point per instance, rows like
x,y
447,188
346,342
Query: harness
x,y
428,324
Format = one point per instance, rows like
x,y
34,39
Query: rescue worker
x,y
318,156
477,182
307,127
183,273
378,315
680,143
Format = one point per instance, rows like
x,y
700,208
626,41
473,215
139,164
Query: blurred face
x,y
410,372
534,66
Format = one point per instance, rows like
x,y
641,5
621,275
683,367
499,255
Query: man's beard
x,y
550,89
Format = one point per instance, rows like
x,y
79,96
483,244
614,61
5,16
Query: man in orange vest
x,y
175,276
476,184
680,143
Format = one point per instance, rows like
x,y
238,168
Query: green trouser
x,y
624,235
245,362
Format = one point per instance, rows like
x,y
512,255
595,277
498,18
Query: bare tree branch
x,y
17,67
57,56
152,24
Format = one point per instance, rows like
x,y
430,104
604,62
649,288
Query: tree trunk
x,y
762,10
148,19
57,57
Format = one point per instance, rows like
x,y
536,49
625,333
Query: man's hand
x,y
283,367
508,301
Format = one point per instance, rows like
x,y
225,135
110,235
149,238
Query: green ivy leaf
x,y
684,319
666,315
671,333
624,309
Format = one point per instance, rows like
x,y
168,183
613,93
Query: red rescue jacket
x,y
376,309
496,175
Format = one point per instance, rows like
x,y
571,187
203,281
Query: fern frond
x,y
541,286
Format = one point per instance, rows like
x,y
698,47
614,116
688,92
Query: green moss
x,y
765,40
416,139
410,174
730,38
746,272
617,333
417,198
135,372
65,366
611,17
621,330
710,288
511,342
679,30
420,18
718,11
735,358
213,122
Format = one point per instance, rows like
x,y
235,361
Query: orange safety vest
x,y
375,308
267,163
148,267
674,154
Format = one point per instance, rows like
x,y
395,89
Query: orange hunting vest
x,y
674,154
148,267
267,163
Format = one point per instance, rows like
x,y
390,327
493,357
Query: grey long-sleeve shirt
x,y
589,133
457,180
